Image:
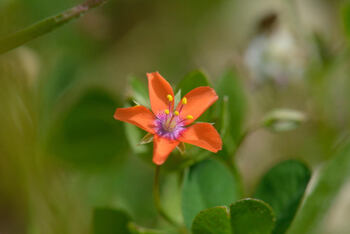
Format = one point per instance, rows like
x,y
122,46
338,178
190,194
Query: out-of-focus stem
x,y
45,26
156,195
244,136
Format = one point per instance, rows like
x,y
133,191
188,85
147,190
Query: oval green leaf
x,y
251,216
283,187
212,221
230,87
207,184
139,92
192,80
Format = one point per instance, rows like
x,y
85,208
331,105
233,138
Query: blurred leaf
x,y
228,148
247,216
135,229
59,81
139,92
87,135
251,216
148,138
110,221
207,184
323,49
311,216
177,98
192,80
283,187
45,26
229,86
212,221
346,19
134,135
281,120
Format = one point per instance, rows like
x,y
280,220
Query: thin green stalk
x,y
230,161
156,196
244,136
45,26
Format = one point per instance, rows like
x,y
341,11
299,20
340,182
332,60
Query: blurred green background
x,y
62,155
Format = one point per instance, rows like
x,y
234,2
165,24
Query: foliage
x,y
69,167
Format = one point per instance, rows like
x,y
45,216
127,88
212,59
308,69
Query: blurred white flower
x,y
274,57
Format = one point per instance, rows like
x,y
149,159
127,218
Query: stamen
x,y
166,111
176,113
189,117
183,102
169,97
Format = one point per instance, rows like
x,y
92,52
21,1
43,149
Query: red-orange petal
x,y
158,89
203,135
162,148
137,115
198,101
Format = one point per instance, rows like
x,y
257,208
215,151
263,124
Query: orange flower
x,y
170,125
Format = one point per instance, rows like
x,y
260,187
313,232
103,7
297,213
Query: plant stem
x,y
244,136
230,161
156,196
45,26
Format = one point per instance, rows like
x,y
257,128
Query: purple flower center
x,y
169,125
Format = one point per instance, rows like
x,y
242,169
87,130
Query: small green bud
x,y
148,138
282,120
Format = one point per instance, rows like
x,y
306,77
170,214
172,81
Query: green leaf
x,y
345,13
207,184
330,179
110,221
251,216
282,120
148,138
47,25
86,134
134,135
139,92
228,148
230,86
246,216
192,80
177,98
283,187
212,221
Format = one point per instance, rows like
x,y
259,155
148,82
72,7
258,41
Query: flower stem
x,y
230,161
244,136
156,196
45,26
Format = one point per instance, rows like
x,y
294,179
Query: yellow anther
x,y
184,101
176,113
169,97
167,111
189,117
